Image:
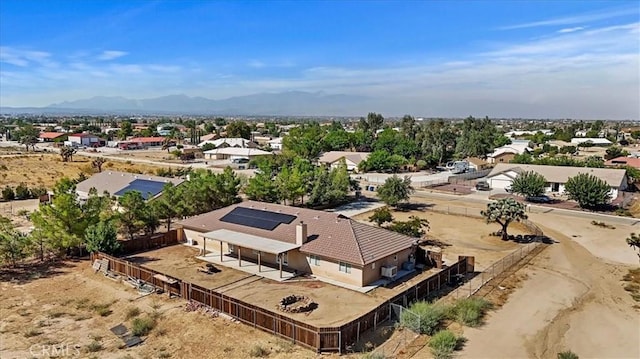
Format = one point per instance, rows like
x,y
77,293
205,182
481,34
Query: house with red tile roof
x,y
623,161
323,244
53,136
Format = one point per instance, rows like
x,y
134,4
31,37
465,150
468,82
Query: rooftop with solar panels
x,y
119,183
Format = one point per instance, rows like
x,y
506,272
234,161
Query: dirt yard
x,y
45,169
462,235
336,305
62,308
154,155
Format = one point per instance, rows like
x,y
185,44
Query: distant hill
x,y
292,103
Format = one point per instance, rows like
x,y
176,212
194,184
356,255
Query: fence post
x,y
358,332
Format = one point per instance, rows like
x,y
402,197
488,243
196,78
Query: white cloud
x,y
111,55
256,64
571,29
24,58
577,19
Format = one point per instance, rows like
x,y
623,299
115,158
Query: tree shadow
x,y
413,206
27,272
139,259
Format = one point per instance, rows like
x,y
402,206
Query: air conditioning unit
x,y
389,272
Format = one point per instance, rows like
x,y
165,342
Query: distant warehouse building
x,y
84,139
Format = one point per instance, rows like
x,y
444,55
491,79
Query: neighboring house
x,y
503,174
506,153
352,159
85,139
53,137
623,161
230,142
581,133
478,164
224,153
324,244
118,183
275,144
209,137
596,141
520,133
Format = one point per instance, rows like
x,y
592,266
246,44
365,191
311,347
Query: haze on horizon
x,y
552,59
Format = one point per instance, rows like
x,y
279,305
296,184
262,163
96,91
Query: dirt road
x,y
571,301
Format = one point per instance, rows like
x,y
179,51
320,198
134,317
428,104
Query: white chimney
x,y
301,233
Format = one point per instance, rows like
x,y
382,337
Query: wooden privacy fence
x,y
321,339
149,242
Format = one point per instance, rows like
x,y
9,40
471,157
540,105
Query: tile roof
x,y
51,135
624,161
330,235
147,139
333,156
560,174
113,182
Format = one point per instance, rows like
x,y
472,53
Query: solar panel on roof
x,y
146,187
257,218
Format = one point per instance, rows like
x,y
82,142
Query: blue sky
x,y
576,59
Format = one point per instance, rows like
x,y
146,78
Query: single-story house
x,y
352,159
596,141
503,174
85,139
145,142
623,161
506,153
275,144
478,164
520,133
324,244
118,183
53,137
230,142
209,137
224,153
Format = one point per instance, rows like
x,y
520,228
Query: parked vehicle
x,y
457,167
240,160
539,199
483,186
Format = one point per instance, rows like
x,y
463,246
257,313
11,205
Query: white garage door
x,y
499,183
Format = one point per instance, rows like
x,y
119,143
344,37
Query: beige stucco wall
x,y
330,269
372,273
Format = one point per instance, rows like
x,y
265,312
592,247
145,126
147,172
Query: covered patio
x,y
252,244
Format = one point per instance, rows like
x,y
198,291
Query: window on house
x,y
344,267
284,257
315,260
395,258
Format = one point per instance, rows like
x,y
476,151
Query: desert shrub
x,y
142,326
257,351
442,344
568,354
469,311
132,312
94,346
102,309
3,168
423,317
32,333
374,355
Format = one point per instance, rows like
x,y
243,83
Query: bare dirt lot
x,y
336,305
64,308
462,235
45,169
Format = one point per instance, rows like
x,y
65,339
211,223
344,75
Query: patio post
x,y
259,264
280,262
220,251
239,256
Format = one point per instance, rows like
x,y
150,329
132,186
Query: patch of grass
x,y
161,331
424,317
470,311
633,283
284,346
132,312
632,287
141,326
258,351
56,314
164,355
102,309
94,346
24,312
33,332
82,303
374,355
568,354
79,317
602,225
443,343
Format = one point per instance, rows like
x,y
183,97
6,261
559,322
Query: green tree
x,y
126,130
395,190
372,123
102,237
634,242
588,190
67,152
14,246
131,216
238,129
414,227
529,184
381,216
28,136
305,141
8,194
98,163
168,206
504,211
22,191
261,186
615,152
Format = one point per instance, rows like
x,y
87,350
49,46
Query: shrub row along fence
x,y
329,339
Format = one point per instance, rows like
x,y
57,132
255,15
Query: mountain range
x,y
291,103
